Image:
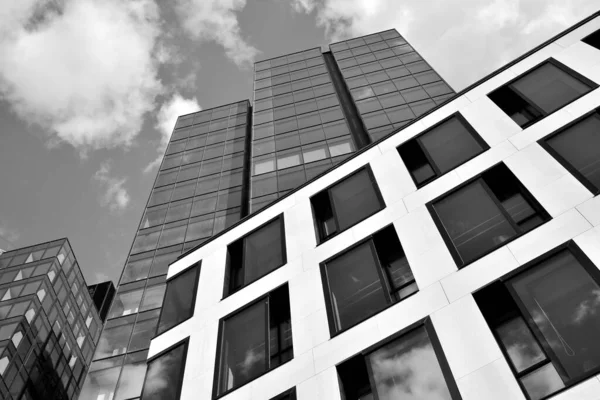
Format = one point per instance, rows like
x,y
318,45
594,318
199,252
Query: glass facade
x,y
389,81
197,193
299,129
49,326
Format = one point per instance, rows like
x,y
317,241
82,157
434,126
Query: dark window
x,y
593,39
487,212
366,279
255,255
180,299
540,92
441,149
288,395
411,366
254,340
577,147
346,203
165,374
545,320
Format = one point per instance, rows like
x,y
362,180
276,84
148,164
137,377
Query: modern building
x,y
456,257
102,295
49,326
311,111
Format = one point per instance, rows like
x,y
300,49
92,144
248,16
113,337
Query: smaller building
x,y
49,326
102,295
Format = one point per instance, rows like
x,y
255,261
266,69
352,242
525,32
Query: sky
x,y
90,89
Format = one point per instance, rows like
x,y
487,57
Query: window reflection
x,y
165,374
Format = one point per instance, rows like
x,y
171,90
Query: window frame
x,y
389,292
317,224
220,337
543,142
194,294
460,264
185,342
590,268
474,134
543,114
435,344
227,287
290,392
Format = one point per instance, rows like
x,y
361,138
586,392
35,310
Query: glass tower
x,y
223,163
49,326
198,192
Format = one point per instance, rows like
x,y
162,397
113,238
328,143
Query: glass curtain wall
x,y
197,193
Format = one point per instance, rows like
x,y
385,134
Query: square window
x,y
375,119
548,337
391,100
287,159
315,152
306,106
323,90
200,227
290,178
364,280
284,112
264,130
336,129
327,101
287,141
541,91
285,125
368,105
346,203
264,184
282,100
308,120
486,213
301,84
180,299
340,146
441,149
169,368
246,334
331,114
312,135
577,147
383,372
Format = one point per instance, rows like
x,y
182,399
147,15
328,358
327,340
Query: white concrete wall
x,y
445,293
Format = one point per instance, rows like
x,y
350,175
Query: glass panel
x,y
542,382
144,330
579,145
354,199
153,297
520,344
263,250
473,221
408,368
450,144
356,291
242,355
178,305
550,88
102,379
132,377
165,374
126,303
115,337
566,314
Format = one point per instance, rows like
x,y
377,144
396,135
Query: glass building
x,y
220,165
199,191
102,295
49,326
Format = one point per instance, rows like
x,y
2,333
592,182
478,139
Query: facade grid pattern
x,y
49,326
197,193
388,80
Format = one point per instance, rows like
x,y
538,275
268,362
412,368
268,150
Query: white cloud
x,y
165,122
464,40
8,237
83,70
216,20
114,196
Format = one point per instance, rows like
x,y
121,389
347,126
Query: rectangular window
x,y
180,299
441,149
540,91
288,395
593,39
577,148
364,280
485,213
164,375
544,318
346,203
411,366
255,255
253,341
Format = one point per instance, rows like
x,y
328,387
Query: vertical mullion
x,y
527,100
437,171
267,333
382,280
333,212
499,205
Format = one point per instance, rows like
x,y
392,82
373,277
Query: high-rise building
x,y
312,110
49,326
102,295
455,259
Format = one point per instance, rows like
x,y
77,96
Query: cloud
x,y
7,237
165,122
84,70
216,20
464,40
115,196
